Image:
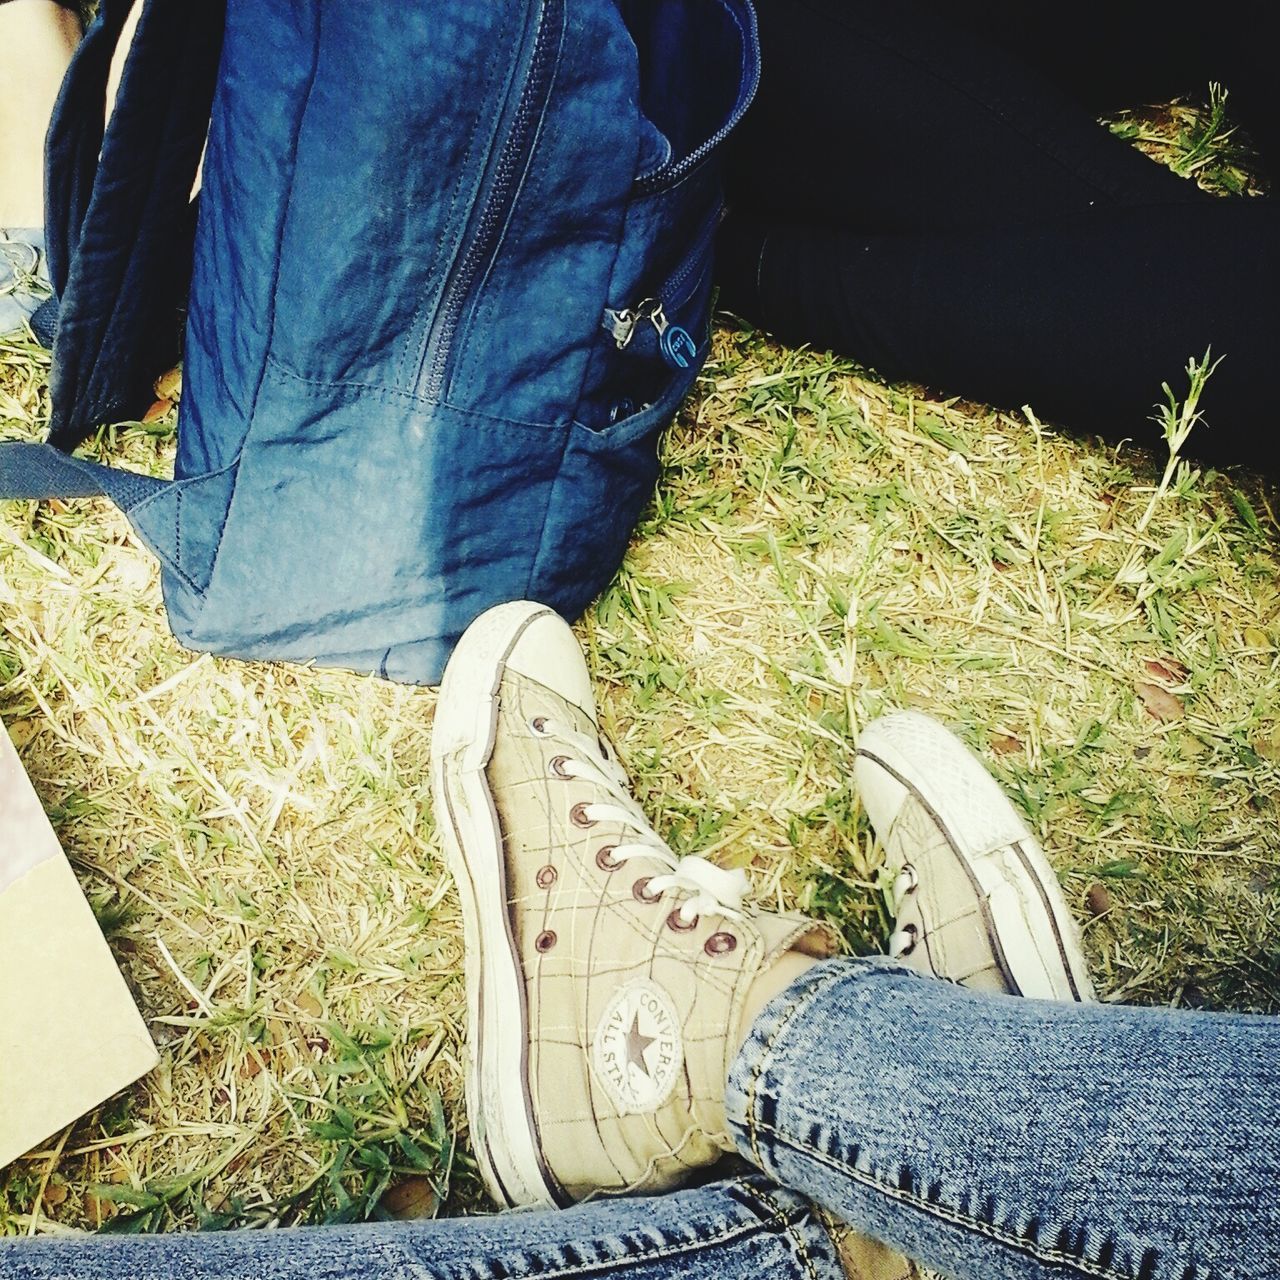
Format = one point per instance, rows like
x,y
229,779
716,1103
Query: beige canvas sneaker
x,y
977,901
605,977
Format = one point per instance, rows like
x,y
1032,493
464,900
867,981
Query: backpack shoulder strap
x,y
41,471
118,222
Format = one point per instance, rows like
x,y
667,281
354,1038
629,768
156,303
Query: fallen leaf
x,y
1004,744
1168,670
96,1209
412,1198
168,386
54,1194
252,1063
1159,702
1256,638
1098,900
157,411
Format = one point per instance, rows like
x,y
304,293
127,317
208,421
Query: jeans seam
x,y
788,1225
780,1219
951,1216
753,1126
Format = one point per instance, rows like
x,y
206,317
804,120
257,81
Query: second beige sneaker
x,y
606,977
976,900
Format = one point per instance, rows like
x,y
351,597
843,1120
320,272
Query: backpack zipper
x,y
502,180
661,178
675,344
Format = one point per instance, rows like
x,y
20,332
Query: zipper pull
x,y
678,349
622,324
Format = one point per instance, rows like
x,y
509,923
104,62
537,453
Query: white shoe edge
x,y
503,1129
1033,925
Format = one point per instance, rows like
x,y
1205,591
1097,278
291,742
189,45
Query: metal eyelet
x,y
915,938
545,941
578,816
720,944
640,891
557,768
547,876
605,859
677,924
539,725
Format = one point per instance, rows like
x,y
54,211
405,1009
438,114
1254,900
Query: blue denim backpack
x,y
449,280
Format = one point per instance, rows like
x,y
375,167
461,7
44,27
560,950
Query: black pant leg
x,y
1081,317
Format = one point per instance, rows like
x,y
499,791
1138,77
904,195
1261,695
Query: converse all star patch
x,y
637,1052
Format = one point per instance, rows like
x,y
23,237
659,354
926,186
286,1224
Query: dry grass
x,y
258,844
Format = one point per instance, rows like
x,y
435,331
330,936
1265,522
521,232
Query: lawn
x,y
1102,625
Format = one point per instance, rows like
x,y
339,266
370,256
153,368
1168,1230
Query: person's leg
x,y
725,1231
1083,317
995,1137
37,39
981,1134
943,207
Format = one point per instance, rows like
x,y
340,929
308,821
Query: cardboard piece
x,y
70,1034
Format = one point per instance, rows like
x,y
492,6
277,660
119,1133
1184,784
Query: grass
x,y
257,841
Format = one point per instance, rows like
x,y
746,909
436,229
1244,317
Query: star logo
x,y
637,1044
637,1051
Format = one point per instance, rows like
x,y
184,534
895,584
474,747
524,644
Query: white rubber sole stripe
x,y
504,1128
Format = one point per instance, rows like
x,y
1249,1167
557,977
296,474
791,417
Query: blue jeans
x,y
985,1136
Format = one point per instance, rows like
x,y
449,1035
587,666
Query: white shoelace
x,y
903,941
709,890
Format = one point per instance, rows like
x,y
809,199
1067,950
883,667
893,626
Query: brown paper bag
x,y
70,1035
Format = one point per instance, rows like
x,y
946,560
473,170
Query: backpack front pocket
x,y
604,482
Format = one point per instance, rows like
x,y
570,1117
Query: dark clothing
x,y
925,187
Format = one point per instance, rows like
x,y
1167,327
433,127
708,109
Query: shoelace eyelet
x,y
677,924
605,859
578,816
914,933
545,941
640,891
547,876
720,944
539,726
557,768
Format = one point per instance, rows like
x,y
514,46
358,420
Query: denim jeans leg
x,y
739,1230
996,1137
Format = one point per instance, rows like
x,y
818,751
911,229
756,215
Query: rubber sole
x,y
503,1128
1032,931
